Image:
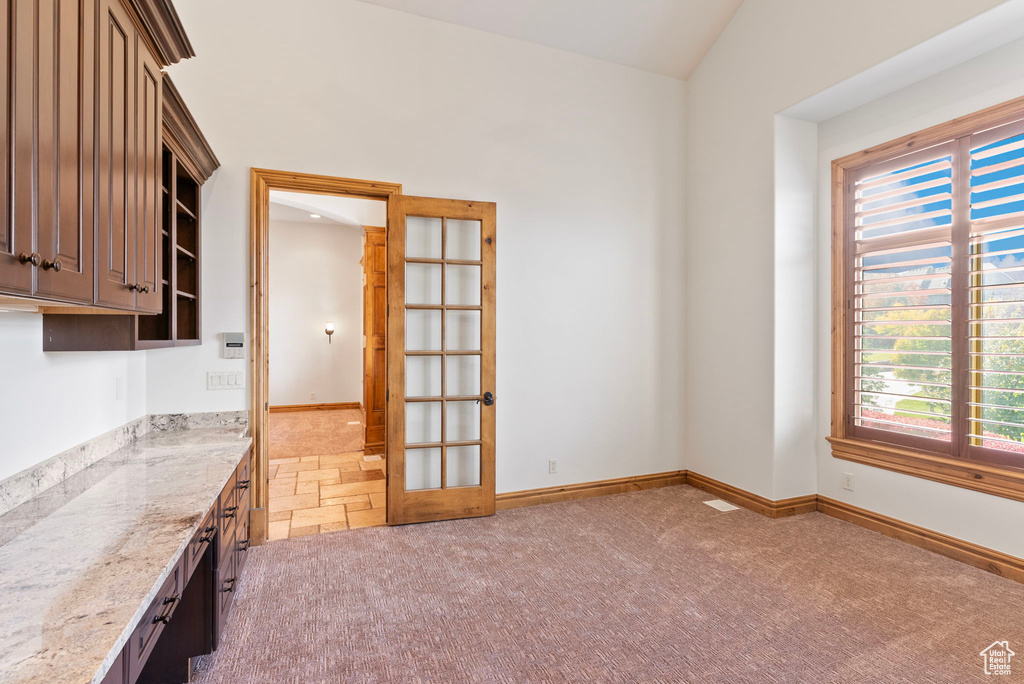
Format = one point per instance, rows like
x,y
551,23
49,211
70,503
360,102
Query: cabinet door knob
x,y
56,265
133,286
144,289
32,258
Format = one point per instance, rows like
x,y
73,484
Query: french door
x,y
440,400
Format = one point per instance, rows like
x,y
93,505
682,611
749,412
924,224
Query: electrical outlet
x,y
848,481
552,466
119,389
312,396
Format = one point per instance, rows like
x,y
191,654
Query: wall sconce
x,y
329,329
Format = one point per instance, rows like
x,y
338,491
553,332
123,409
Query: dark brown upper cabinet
x,y
82,115
186,163
128,177
46,240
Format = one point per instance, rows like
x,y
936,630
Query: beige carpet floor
x,y
646,587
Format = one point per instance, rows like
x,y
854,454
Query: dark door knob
x,y
56,265
32,258
488,399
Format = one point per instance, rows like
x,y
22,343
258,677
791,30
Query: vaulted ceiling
x,y
666,37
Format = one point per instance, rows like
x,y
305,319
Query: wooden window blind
x,y
928,303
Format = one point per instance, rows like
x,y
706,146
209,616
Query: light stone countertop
x,y
80,564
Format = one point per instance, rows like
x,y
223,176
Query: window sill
x,y
1005,482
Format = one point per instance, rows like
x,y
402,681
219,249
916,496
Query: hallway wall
x,y
315,276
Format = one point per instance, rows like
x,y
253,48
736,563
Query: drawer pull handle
x,y
229,585
243,484
166,617
229,512
32,258
56,265
207,534
243,545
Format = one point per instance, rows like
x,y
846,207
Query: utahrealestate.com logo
x,y
997,658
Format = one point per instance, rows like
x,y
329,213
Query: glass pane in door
x,y
423,468
422,330
423,376
463,240
462,285
463,467
422,283
462,421
423,422
463,374
422,237
462,330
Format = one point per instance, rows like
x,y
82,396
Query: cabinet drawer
x,y
152,624
203,538
242,538
227,518
225,588
242,473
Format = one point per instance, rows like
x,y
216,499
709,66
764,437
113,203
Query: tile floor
x,y
320,480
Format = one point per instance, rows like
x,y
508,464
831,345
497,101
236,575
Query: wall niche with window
x,y
928,303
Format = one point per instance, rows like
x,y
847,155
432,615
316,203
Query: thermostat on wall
x,y
234,345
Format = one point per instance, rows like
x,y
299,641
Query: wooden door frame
x,y
262,182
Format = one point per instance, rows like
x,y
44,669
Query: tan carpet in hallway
x,y
651,586
320,480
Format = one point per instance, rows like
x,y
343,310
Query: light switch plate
x,y
225,380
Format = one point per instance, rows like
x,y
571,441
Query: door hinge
x,y
387,395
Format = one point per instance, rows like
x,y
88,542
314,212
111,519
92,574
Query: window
x,y
928,303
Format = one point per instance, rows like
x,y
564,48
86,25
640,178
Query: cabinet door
x,y
64,200
115,150
375,324
17,115
148,155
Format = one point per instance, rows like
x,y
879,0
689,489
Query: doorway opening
x,y
436,382
344,424
326,352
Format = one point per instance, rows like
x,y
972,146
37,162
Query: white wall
x,y
584,160
795,437
770,56
315,276
981,82
51,402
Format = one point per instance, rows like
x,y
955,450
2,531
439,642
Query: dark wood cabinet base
x,y
190,612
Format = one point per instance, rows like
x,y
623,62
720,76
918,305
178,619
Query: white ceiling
x,y
661,36
348,211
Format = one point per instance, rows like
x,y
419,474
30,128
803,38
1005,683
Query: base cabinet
x,y
190,611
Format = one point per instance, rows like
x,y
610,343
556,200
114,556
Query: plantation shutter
x,y
936,324
996,297
902,322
